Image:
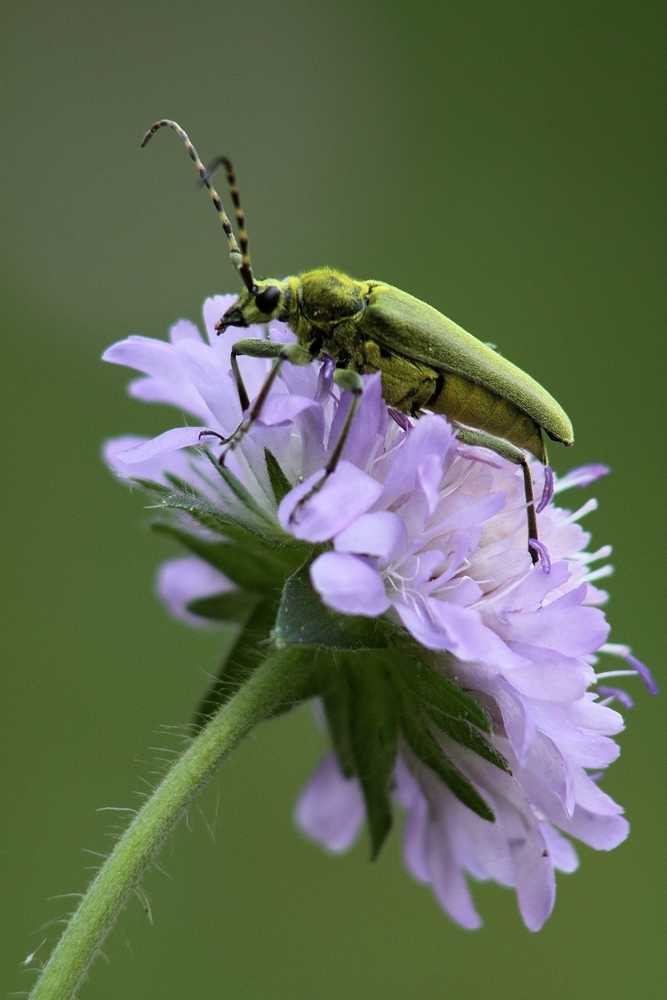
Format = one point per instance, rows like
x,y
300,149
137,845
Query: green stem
x,y
271,684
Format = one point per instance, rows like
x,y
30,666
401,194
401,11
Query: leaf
x,y
312,682
280,484
336,698
205,513
443,695
230,606
425,747
261,568
452,710
242,494
373,727
304,620
468,736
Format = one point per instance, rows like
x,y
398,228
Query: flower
x,y
497,716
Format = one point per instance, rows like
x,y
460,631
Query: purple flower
x,y
430,535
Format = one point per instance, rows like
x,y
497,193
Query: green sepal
x,y
303,620
242,494
373,738
452,710
442,695
425,747
313,681
257,567
468,736
280,484
235,606
206,514
336,698
178,484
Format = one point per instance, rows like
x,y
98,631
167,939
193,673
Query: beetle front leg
x,y
515,455
344,378
292,353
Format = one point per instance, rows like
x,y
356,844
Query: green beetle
x,y
427,362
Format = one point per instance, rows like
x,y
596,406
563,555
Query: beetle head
x,y
264,302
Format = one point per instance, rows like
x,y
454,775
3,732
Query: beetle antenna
x,y
245,268
240,258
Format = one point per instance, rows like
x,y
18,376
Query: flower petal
x,y
349,585
563,625
380,534
330,808
459,630
177,437
183,330
212,381
345,495
183,580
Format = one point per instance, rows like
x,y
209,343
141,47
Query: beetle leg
x,y
253,348
352,381
515,455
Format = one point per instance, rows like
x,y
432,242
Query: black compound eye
x,y
268,299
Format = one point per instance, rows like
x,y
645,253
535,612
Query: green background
x,y
501,161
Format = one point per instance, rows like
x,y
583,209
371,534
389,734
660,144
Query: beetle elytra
x,y
426,361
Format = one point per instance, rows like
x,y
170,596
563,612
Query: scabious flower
x,y
472,696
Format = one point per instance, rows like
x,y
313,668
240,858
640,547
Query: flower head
x,y
455,675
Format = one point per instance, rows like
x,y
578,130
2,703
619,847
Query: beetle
x,y
426,361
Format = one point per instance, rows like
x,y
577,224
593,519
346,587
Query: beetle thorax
x,y
327,298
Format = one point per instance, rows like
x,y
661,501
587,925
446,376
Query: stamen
x,y
588,557
615,649
643,671
325,378
599,574
590,505
610,694
639,669
547,489
402,419
582,476
543,553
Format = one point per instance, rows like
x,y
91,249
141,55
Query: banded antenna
x,y
240,257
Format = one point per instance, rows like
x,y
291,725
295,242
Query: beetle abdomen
x,y
470,403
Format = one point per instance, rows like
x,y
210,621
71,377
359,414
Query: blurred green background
x,y
501,161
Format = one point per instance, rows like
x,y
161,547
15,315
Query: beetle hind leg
x,y
517,457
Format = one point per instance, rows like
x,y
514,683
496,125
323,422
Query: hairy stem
x,y
122,872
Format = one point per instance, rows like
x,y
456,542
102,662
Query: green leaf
x,y
425,747
242,494
150,485
303,620
373,726
230,606
261,568
468,736
336,697
205,513
180,484
443,695
451,709
312,683
280,484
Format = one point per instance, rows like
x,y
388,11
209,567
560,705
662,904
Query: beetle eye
x,y
268,299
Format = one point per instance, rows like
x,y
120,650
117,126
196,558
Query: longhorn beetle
x,y
426,360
